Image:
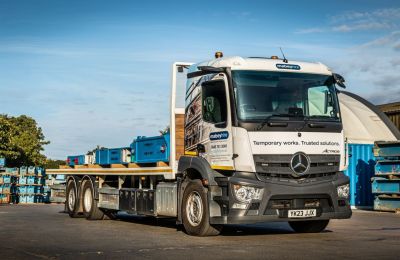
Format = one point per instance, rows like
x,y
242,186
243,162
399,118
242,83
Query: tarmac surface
x,y
45,232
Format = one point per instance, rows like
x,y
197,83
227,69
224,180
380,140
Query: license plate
x,y
302,213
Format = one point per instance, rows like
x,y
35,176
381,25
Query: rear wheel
x,y
312,226
71,201
90,209
195,213
111,214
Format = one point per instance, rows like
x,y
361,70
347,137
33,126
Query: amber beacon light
x,y
219,54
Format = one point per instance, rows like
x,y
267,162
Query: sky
x,y
99,72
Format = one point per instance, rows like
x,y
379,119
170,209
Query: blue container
x,y
387,149
23,170
101,156
361,170
2,162
151,149
31,170
31,189
30,199
386,203
387,167
385,186
6,188
116,155
23,189
40,172
22,180
31,180
6,179
12,171
76,160
46,189
113,156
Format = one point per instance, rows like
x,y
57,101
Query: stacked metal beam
x,y
386,183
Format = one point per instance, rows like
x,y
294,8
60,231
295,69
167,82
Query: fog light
x,y
245,194
343,191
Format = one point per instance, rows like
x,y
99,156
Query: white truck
x,y
251,140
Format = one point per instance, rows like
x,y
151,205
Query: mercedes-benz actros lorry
x,y
250,140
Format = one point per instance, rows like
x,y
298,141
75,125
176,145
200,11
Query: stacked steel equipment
x,y
143,150
31,185
23,185
386,183
8,179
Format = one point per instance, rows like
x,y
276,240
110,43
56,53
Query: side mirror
x,y
339,80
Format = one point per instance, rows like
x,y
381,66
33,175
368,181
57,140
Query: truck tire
x,y
311,226
89,203
72,200
110,214
195,215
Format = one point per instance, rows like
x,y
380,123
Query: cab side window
x,y
214,107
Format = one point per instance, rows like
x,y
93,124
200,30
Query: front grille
x,y
279,165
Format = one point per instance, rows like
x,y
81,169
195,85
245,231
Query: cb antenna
x,y
284,58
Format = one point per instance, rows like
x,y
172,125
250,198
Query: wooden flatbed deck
x,y
114,169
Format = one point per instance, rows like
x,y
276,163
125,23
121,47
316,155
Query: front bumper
x,y
279,196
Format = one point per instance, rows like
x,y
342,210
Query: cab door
x,y
217,123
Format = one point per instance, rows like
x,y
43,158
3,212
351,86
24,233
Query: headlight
x,y
245,194
343,191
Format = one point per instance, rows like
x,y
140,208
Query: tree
x,y
53,164
21,141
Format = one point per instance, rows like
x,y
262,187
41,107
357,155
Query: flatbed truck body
x,y
251,140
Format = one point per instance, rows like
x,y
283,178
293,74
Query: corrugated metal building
x,y
392,110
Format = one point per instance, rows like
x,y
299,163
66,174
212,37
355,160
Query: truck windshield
x,y
263,94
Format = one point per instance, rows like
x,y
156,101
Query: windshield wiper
x,y
321,117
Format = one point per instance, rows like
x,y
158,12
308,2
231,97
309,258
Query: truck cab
x,y
266,137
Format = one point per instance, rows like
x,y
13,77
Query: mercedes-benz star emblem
x,y
300,164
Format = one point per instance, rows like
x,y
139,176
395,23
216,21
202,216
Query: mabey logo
x,y
219,135
288,66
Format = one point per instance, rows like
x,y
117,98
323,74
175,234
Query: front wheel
x,y
195,213
311,226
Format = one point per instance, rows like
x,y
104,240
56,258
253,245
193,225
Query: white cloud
x,y
390,40
385,14
362,26
380,19
310,30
